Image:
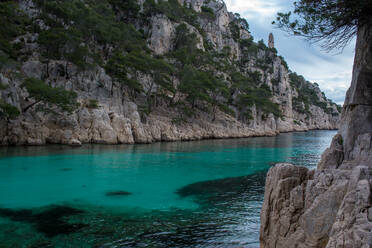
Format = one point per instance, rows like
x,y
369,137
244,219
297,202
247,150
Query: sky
x,y
331,70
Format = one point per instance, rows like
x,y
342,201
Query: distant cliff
x,y
110,71
332,205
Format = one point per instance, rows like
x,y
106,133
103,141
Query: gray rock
x,y
74,142
337,198
118,119
162,35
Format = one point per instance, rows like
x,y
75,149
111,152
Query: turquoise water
x,y
183,194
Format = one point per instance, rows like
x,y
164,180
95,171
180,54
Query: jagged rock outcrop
x,y
271,41
118,117
332,205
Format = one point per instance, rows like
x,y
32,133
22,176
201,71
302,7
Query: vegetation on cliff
x,y
111,34
42,92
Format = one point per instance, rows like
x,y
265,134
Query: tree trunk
x,y
66,70
30,106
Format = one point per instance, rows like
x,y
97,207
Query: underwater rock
x,y
226,190
51,221
16,215
118,193
220,186
213,186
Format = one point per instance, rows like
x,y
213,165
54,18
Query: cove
x,y
183,194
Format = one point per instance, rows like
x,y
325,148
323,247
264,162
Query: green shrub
x,y
297,122
275,81
13,23
186,50
250,48
172,9
42,92
8,110
243,22
130,8
339,108
235,31
306,95
250,94
144,111
262,64
178,121
246,43
117,68
3,86
247,114
261,98
301,105
273,50
236,25
208,12
121,65
341,141
92,103
262,46
202,86
195,84
284,63
91,22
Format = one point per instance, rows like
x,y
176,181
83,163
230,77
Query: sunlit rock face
x,y
120,119
330,206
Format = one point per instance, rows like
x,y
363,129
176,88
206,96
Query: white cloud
x,y
337,95
253,8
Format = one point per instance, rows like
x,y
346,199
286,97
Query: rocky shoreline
x,y
98,127
332,205
197,137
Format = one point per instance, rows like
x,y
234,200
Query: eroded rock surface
x,y
119,118
332,205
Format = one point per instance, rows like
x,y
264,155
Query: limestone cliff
x,y
332,205
146,71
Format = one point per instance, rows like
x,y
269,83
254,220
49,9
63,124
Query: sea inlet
x,y
183,194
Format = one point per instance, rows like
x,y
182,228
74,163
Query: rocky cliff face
x,y
127,97
331,206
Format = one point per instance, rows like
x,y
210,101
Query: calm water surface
x,y
190,194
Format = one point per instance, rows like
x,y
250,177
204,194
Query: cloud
x,y
254,8
336,94
332,71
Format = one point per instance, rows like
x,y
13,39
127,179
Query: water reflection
x,y
285,140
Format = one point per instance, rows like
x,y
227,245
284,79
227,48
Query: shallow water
x,y
183,194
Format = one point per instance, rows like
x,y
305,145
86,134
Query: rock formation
x,y
110,113
270,43
332,205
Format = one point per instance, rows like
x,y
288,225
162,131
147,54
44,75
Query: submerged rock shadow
x,y
119,193
51,221
226,189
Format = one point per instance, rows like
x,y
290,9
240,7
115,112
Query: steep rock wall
x,y
118,118
330,206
